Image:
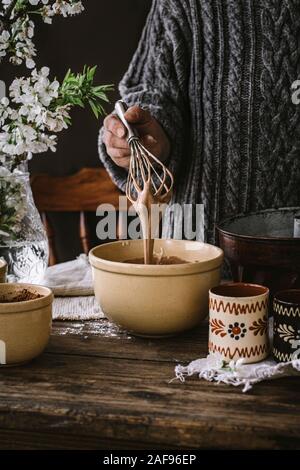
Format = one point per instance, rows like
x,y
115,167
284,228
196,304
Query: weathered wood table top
x,y
96,387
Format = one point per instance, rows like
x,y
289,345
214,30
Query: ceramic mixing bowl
x,y
151,300
263,248
3,268
24,325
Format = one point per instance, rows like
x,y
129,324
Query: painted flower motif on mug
x,y
237,330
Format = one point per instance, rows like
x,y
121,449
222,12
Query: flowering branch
x,y
38,109
17,27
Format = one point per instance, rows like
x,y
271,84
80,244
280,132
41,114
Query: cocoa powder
x,y
22,296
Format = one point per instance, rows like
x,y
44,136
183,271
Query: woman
x,y
210,85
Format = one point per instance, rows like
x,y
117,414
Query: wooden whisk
x,y
149,180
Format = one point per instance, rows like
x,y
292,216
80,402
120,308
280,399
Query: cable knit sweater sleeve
x,y
157,79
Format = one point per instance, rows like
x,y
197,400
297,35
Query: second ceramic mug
x,y
286,311
238,321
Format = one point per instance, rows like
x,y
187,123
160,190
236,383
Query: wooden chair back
x,y
81,192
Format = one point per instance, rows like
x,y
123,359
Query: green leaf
x,y
80,90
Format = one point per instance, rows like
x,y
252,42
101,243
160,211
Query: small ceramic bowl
x,y
3,268
150,300
25,326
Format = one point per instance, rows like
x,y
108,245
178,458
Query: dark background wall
x,y
106,34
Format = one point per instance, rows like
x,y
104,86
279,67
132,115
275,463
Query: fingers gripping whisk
x,y
145,170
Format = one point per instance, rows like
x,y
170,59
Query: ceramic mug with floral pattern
x,y
286,339
238,321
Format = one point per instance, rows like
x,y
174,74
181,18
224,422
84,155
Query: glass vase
x,y
23,240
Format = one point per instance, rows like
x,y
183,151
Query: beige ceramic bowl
x,y
3,267
24,326
155,300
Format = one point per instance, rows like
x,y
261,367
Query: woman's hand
x,y
150,131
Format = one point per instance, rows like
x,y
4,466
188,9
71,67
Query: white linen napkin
x,y
214,369
73,278
76,308
72,286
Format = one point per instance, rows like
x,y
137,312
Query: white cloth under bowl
x,y
73,278
72,286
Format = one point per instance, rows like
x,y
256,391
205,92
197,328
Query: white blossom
x,y
4,172
18,42
28,123
4,43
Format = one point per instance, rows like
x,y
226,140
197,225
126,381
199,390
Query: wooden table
x,y
95,388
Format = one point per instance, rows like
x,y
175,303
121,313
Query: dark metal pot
x,y
261,248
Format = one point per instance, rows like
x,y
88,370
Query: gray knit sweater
x,y
217,75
